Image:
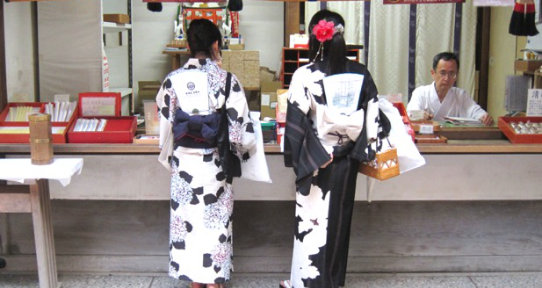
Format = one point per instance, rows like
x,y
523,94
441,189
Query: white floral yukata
x,y
325,196
200,245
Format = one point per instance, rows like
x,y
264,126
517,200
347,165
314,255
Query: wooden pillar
x,y
3,89
291,20
484,17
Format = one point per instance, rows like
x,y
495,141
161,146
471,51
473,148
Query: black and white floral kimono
x,y
325,196
200,245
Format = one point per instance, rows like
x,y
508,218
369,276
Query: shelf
x,y
110,27
293,58
123,91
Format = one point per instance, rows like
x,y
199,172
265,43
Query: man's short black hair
x,y
446,56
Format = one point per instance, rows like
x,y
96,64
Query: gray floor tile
x,y
410,281
167,282
506,280
97,281
256,280
250,280
19,281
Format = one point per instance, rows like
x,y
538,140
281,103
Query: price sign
x,y
534,102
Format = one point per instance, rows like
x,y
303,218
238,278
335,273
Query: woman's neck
x,y
201,55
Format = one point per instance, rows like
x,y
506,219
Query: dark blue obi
x,y
196,131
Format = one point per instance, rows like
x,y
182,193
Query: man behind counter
x,y
441,99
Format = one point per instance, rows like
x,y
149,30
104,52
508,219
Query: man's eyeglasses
x,y
451,75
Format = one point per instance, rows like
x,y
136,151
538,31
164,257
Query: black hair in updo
x,y
334,49
201,34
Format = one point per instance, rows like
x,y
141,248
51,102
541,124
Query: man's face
x,y
445,75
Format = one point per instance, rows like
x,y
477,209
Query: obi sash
x,y
196,131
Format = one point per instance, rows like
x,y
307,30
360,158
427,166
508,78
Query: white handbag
x,y
255,168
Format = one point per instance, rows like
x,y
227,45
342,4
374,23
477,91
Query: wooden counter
x,y
452,147
485,169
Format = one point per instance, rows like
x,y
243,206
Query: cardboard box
x,y
527,65
237,46
146,92
152,121
268,105
117,18
103,105
266,75
19,131
245,65
268,98
282,105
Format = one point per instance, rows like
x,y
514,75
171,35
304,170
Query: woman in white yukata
x,y
333,122
205,131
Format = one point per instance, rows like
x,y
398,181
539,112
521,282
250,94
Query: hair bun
x,y
154,7
235,5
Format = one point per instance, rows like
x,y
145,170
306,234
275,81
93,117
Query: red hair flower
x,y
324,30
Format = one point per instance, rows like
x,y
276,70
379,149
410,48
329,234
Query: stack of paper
x,y
463,121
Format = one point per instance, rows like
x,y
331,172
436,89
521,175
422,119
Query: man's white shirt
x,y
456,103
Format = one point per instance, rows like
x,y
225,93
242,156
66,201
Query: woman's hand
x,y
328,162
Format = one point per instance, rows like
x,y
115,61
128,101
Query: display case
x,y
521,129
19,131
106,106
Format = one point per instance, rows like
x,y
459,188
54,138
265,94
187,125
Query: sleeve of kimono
x,y
376,126
415,102
241,131
164,100
302,149
470,107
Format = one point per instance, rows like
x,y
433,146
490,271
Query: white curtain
x,y
435,34
388,47
467,77
352,12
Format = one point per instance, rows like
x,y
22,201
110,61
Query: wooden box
x,y
103,105
417,124
527,65
428,138
504,124
431,138
19,131
117,18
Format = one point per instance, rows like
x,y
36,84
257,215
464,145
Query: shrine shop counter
x,y
491,169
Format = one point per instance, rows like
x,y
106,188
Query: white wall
x,y
261,25
19,52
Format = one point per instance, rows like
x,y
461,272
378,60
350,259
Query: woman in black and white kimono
x,y
333,123
205,130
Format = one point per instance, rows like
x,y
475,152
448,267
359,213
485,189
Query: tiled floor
x,y
438,280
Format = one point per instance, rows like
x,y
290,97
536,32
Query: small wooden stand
x,y
41,139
